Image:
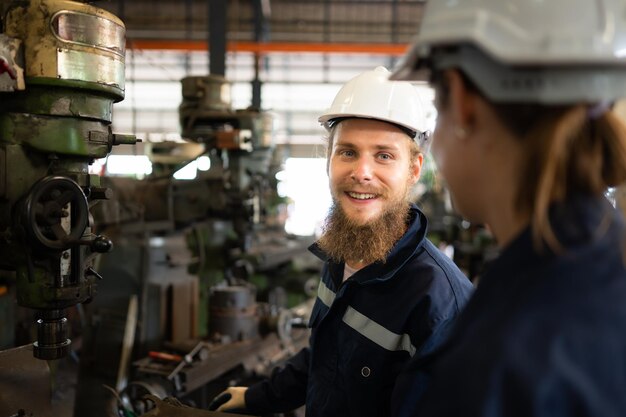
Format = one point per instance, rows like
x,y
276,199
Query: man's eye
x,y
384,156
346,152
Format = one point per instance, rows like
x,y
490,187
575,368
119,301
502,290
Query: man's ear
x,y
462,101
416,168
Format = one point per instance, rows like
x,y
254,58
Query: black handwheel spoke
x,y
65,198
39,211
58,231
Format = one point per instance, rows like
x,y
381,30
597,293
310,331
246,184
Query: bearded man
x,y
387,296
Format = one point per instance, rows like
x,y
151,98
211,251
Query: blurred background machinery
x,y
222,288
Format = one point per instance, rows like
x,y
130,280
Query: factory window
x,y
128,165
305,183
190,171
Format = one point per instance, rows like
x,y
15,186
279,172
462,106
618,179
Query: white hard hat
x,y
556,51
371,95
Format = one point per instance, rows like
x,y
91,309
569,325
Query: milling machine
x,y
61,70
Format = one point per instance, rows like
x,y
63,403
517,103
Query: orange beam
x,y
268,47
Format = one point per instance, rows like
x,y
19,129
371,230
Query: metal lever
x,y
187,359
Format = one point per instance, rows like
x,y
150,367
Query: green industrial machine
x,y
244,164
61,70
208,258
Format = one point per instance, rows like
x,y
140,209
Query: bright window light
x,y
136,165
305,183
98,167
188,172
204,163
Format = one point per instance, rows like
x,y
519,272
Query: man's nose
x,y
362,170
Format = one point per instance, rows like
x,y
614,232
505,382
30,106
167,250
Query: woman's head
x,y
530,102
557,151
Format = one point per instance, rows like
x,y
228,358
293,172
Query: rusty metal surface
x,y
11,64
24,383
170,407
70,41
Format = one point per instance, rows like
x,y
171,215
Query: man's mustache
x,y
363,189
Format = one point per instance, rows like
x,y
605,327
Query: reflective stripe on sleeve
x,y
325,294
377,333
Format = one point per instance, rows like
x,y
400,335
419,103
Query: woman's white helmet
x,y
371,95
557,51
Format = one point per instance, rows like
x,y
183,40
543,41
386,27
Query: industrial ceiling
x,y
286,56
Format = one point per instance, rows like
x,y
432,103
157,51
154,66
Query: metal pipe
x,y
269,47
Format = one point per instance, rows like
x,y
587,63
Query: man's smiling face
x,y
370,168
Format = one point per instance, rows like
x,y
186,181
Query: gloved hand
x,y
231,399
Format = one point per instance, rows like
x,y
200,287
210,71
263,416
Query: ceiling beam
x,y
269,47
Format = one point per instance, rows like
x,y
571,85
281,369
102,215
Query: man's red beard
x,y
345,240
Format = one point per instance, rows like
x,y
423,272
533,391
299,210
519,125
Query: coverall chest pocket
x,y
371,374
369,365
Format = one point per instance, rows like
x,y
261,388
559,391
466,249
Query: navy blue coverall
x,y
365,330
544,334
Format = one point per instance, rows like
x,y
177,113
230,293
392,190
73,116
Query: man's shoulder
x,y
430,255
440,271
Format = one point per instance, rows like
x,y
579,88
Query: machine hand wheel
x,y
48,202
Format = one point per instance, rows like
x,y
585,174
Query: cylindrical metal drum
x,y
233,313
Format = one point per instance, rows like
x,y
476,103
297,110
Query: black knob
x,y
101,244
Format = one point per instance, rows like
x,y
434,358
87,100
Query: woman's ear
x,y
462,101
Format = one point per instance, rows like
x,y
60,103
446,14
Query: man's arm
x,y
284,390
415,376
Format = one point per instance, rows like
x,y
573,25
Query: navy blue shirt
x,y
544,334
365,331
